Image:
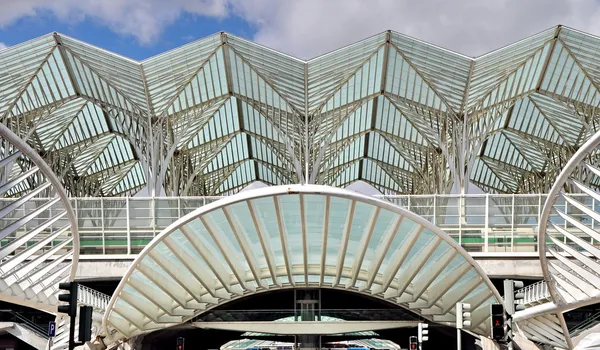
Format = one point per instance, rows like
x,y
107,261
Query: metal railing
x,y
535,293
27,323
588,323
479,222
87,296
297,315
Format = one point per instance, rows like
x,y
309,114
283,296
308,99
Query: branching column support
x,y
150,167
462,144
307,156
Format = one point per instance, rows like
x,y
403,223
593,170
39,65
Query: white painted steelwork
x,y
569,234
482,223
219,113
545,329
535,294
296,236
40,241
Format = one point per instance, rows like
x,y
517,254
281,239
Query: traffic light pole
x,y
70,308
422,334
511,305
463,319
72,333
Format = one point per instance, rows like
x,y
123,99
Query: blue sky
x,y
187,28
302,28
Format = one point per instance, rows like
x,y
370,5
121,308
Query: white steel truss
x,y
569,233
295,236
40,241
217,114
545,329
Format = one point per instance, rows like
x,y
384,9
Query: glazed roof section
x,y
222,112
297,236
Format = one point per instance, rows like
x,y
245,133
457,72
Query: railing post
x,y
512,225
486,224
566,212
434,209
102,225
153,214
539,219
178,208
460,218
52,226
76,212
128,225
593,221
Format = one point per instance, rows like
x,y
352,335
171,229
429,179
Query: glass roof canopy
x,y
297,236
217,114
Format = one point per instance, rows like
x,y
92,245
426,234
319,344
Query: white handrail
x,y
87,296
485,223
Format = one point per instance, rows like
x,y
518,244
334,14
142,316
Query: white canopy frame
x,y
569,257
37,226
297,236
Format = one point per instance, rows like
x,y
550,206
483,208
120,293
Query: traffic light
x,y
513,302
463,316
423,334
412,343
498,322
85,323
70,308
70,298
512,298
180,343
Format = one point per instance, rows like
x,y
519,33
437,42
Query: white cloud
x,y
143,19
3,46
306,28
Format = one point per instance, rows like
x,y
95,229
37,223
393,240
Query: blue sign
x,y
52,329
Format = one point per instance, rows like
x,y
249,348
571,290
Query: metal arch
x,y
570,285
18,271
238,280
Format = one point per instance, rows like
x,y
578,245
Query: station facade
x,y
224,169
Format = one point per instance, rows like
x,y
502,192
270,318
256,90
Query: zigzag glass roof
x,y
219,113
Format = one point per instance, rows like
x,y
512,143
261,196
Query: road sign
x,y
52,329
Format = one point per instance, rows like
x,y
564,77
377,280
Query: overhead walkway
x,y
480,223
297,236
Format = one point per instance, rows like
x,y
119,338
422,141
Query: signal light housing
x,y
412,343
70,298
513,297
498,322
423,334
463,315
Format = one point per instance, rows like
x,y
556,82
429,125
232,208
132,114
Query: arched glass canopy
x,y
297,236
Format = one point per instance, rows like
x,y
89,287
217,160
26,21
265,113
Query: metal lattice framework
x,y
297,236
546,329
568,233
217,114
40,243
